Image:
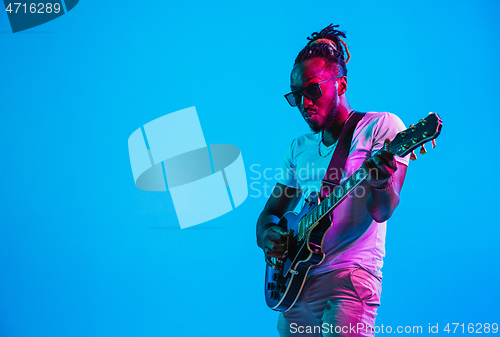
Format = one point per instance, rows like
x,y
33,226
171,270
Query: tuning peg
x,y
433,143
413,156
423,150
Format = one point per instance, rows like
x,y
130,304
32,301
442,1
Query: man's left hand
x,y
381,167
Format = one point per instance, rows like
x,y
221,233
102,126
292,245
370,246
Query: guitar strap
x,y
337,163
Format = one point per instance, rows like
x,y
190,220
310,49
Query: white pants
x,y
342,302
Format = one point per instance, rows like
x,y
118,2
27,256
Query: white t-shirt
x,y
355,239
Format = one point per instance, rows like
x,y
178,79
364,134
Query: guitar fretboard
x,y
331,202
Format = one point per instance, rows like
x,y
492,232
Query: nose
x,y
305,102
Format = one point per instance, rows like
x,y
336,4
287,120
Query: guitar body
x,y
284,284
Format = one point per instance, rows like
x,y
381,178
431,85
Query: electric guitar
x,y
306,230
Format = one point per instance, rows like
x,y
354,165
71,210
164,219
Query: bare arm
x,y
381,203
269,235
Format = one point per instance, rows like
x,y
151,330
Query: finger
x,y
276,254
269,253
387,142
275,230
383,164
382,170
371,168
278,250
377,173
279,230
386,147
273,245
275,236
387,156
385,159
269,261
368,164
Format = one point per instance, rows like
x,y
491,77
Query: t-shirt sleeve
x,y
388,126
288,169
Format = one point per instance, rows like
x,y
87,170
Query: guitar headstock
x,y
407,141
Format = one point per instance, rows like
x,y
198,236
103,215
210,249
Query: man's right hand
x,y
272,241
270,237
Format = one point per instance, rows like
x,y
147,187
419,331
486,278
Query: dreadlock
x,y
328,45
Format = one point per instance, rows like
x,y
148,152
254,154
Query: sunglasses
x,y
311,92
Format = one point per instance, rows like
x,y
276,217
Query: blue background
x,y
83,252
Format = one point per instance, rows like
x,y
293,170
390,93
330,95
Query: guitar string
x,y
334,203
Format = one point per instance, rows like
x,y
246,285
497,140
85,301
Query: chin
x,y
314,128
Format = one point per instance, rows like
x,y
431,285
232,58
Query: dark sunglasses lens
x,y
312,91
291,98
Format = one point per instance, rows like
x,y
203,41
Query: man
x,y
344,290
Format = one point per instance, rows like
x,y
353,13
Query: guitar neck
x,y
331,202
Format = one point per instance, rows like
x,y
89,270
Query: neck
x,y
331,134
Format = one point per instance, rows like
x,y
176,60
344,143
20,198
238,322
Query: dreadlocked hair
x,y
325,50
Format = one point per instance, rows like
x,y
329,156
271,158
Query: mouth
x,y
308,114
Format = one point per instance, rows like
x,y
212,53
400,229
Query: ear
x,y
342,85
